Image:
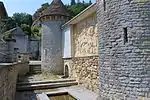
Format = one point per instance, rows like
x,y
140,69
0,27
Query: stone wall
x,y
85,71
84,67
34,49
6,55
124,27
85,37
8,78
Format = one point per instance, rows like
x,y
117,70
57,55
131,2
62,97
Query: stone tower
x,y
52,19
3,12
124,49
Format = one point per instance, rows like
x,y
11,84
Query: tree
x,y
73,2
44,6
22,18
36,31
90,2
7,24
77,8
26,28
39,11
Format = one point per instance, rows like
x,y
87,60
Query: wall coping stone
x,y
86,56
80,57
4,65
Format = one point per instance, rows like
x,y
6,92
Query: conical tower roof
x,y
3,12
56,8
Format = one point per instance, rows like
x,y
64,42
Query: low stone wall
x,y
8,78
24,69
85,71
3,52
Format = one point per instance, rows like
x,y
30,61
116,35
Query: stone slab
x,y
45,86
81,93
35,63
46,81
42,96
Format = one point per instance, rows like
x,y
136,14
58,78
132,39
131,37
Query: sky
x,y
27,6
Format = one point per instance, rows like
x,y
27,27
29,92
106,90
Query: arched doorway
x,y
66,71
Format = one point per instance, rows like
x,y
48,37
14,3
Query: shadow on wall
x,y
26,96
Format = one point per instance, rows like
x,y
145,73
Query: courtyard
x,y
77,51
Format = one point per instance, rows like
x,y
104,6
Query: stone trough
x,y
74,93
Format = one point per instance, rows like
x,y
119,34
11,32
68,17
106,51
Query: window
x,y
104,4
125,35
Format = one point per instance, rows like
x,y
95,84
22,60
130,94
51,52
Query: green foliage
x,y
8,37
73,2
77,8
7,24
26,28
31,31
22,18
24,21
36,31
39,11
44,6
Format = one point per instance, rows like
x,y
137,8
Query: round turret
x,y
124,28
52,19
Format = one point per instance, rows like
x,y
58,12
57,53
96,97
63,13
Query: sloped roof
x,y
3,12
56,8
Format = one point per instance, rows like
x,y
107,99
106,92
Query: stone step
x,y
36,69
35,72
46,81
45,86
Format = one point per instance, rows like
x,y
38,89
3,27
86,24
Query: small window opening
x,y
45,51
66,71
125,35
104,4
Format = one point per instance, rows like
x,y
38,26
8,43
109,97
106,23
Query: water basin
x,y
64,96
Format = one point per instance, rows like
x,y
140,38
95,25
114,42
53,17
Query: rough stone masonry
x,y
124,28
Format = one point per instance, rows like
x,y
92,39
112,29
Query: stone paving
x,y
78,92
81,93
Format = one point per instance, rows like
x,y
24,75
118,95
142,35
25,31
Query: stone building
x,y
3,12
51,54
4,46
34,48
80,48
124,28
19,41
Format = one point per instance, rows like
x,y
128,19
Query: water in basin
x,y
62,97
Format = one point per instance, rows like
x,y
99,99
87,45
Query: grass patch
x,y
37,77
